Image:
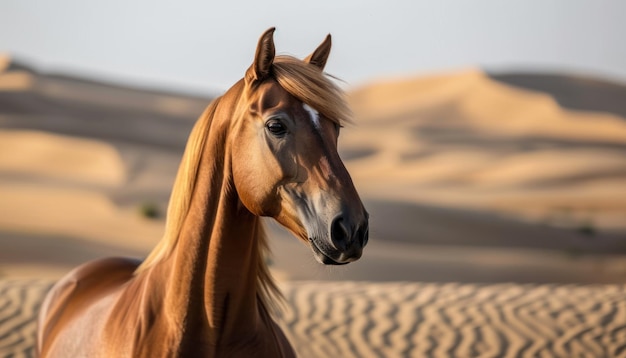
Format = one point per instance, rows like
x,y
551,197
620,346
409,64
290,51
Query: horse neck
x,y
212,272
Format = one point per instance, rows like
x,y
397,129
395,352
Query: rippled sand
x,y
352,319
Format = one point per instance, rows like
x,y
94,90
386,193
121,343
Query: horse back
x,y
76,292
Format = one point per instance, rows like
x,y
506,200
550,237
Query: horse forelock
x,y
312,87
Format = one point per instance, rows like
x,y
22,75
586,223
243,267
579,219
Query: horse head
x,y
285,163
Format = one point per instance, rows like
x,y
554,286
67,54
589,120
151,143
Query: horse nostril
x,y
340,233
363,235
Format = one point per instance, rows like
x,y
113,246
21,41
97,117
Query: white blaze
x,y
315,117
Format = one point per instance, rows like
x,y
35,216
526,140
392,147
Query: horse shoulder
x,y
76,292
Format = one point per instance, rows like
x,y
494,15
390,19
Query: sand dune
x,y
78,158
57,185
465,140
74,213
13,80
5,62
577,92
28,153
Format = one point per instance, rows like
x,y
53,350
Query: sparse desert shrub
x,y
569,218
149,210
587,229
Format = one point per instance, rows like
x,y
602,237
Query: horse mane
x,y
184,185
305,82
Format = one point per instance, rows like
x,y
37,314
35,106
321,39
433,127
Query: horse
x,y
266,148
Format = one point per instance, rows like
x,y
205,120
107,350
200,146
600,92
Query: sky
x,y
206,46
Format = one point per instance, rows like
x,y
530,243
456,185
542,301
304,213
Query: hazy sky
x,y
207,45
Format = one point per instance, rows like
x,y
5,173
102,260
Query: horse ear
x,y
263,58
320,55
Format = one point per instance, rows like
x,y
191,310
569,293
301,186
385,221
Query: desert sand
x,y
352,319
470,181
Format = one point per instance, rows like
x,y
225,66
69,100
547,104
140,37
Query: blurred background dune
x,y
467,177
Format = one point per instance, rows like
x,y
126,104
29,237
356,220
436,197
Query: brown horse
x,y
268,147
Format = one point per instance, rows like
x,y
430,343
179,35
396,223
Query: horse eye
x,y
275,127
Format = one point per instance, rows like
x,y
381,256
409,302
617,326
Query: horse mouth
x,y
322,257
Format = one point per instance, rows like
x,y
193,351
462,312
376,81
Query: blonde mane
x,y
184,185
303,81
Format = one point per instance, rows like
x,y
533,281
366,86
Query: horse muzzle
x,y
344,243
